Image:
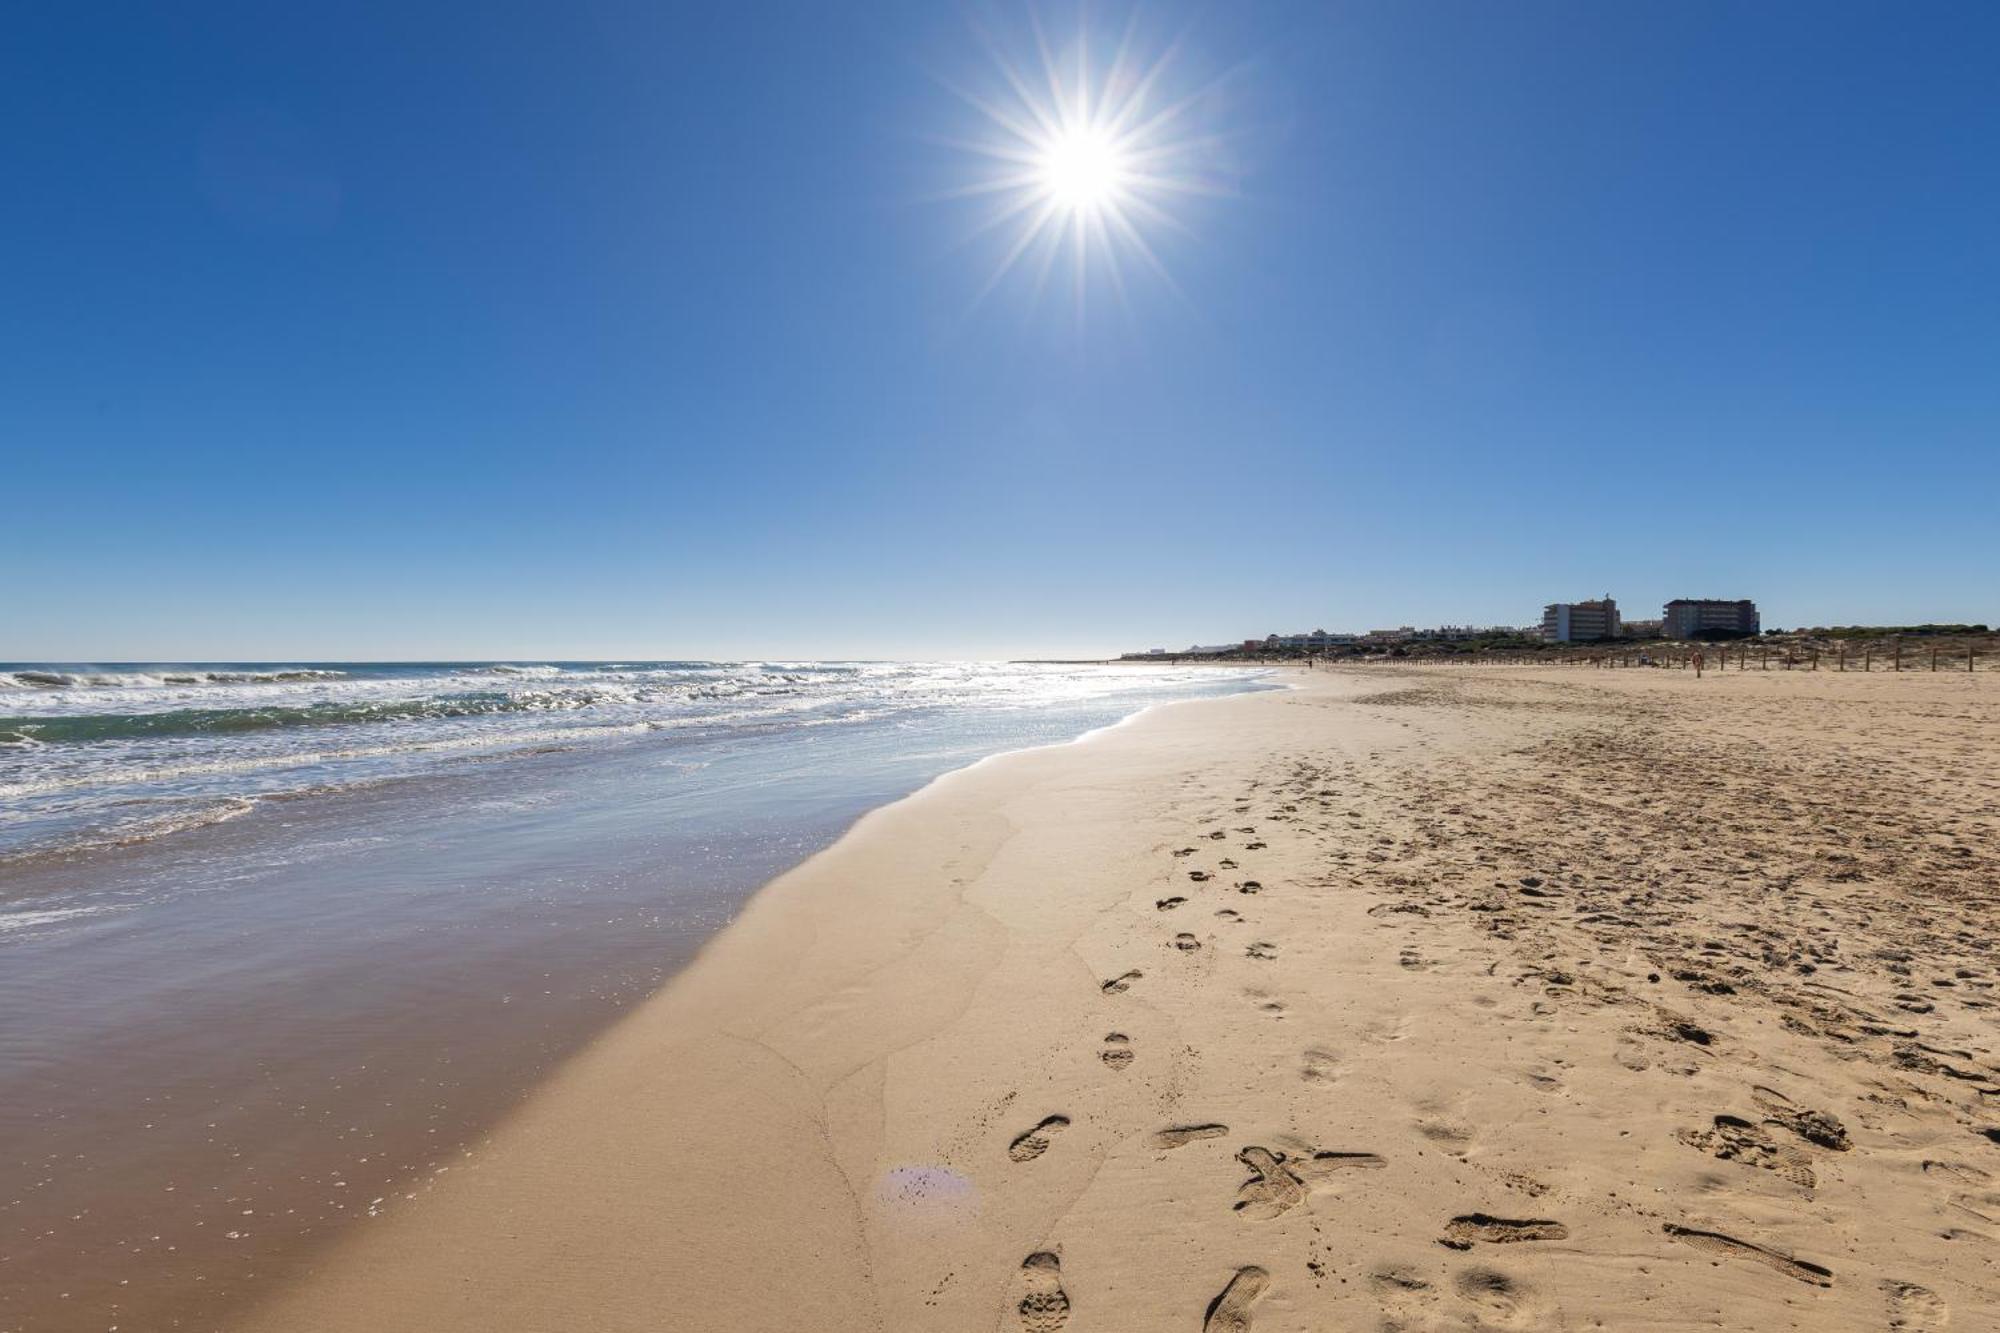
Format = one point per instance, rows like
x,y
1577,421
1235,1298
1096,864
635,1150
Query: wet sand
x,y
196,1094
1407,999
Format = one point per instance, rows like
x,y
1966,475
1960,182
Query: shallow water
x,y
220,1043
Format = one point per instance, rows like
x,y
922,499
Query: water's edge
x,y
258,1122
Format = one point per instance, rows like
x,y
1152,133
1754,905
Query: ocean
x,y
96,756
279,941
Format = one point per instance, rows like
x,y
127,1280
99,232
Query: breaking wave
x,y
82,746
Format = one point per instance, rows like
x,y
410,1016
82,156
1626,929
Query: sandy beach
x,y
1401,999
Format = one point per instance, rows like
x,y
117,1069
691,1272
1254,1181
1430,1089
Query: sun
x,y
1087,161
1083,170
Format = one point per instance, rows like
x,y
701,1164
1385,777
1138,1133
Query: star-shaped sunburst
x,y
1084,162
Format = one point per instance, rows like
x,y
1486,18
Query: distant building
x,y
1580,622
1644,629
1690,617
1316,642
1460,633
1192,650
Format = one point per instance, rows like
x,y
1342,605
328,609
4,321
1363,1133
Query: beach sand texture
x,y
1418,999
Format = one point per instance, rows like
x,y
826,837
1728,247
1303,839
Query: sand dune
x,y
1418,1000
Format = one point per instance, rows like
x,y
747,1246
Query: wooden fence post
x,y
1899,654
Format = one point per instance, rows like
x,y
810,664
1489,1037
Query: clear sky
x,y
651,329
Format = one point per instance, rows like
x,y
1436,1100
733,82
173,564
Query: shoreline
x,y
1002,1041
238,1078
701,1007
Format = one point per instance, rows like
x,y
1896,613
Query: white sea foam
x,y
133,829
40,679
26,919
79,743
513,669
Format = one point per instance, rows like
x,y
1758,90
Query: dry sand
x,y
1423,999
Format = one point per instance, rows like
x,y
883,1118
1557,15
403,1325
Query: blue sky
x,y
581,330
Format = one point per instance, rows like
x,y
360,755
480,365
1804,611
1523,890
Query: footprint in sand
x,y
1271,1190
1199,876
1229,914
1504,1300
1983,1205
1254,846
1118,985
1226,863
1262,949
1186,943
1044,1305
1180,1135
1032,1143
1168,904
1633,1055
1184,851
1279,1183
1117,1050
1463,1230
1452,1136
1914,1309
1527,1184
1229,1312
1816,1127
1715,1243
1672,1027
1249,886
1402,1294
1955,1170
1218,835
1736,1140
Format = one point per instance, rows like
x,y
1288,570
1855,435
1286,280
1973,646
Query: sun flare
x,y
1087,161
1083,170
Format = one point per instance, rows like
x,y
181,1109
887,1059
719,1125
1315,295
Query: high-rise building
x,y
1580,622
1688,617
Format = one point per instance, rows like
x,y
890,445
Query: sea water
x,y
277,942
